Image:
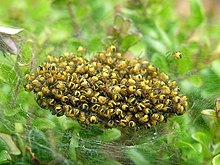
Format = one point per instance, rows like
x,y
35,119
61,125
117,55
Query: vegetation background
x,y
153,29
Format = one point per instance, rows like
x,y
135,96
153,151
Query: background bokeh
x,y
152,29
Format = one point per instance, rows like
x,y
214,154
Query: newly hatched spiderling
x,y
177,55
108,89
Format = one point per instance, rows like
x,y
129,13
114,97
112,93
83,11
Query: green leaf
x,y
197,14
13,149
216,160
204,140
19,128
73,145
110,135
184,144
118,21
200,137
136,157
9,111
3,145
216,148
40,145
4,157
198,147
8,74
126,25
122,24
43,123
130,40
5,88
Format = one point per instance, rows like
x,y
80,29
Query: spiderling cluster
x,y
107,89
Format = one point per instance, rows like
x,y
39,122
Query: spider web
x,y
44,138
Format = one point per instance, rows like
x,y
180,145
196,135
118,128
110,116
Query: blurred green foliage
x,y
151,29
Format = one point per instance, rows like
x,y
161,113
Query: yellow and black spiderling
x,y
177,55
108,89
